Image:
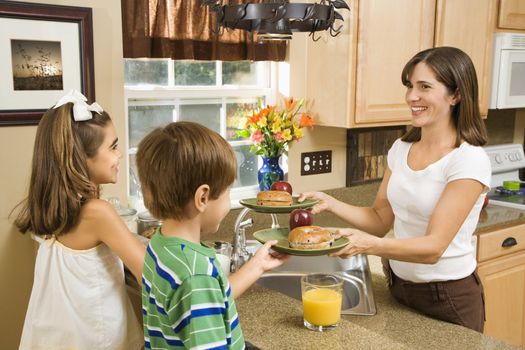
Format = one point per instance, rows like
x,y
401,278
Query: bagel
x,y
274,198
310,237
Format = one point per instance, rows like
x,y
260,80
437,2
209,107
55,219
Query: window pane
x,y
143,119
246,166
205,114
239,73
146,72
195,73
235,111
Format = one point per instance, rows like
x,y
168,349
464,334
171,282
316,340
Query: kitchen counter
x,y
271,320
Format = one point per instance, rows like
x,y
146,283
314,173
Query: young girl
x,y
79,299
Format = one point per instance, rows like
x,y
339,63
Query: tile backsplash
x,y
366,154
367,149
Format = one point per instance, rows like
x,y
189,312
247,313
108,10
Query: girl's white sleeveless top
x,y
79,301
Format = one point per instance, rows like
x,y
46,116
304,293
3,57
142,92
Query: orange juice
x,y
322,306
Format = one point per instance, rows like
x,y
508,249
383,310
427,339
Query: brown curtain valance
x,y
183,29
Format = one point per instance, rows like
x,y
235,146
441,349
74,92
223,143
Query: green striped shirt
x,y
186,298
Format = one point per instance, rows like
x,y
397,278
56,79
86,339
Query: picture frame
x,y
49,51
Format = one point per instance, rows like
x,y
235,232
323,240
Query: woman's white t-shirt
x,y
413,195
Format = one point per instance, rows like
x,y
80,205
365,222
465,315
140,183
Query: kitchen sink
x,y
358,297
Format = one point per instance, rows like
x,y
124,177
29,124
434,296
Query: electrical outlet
x,y
316,162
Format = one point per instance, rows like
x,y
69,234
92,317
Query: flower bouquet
x,y
271,129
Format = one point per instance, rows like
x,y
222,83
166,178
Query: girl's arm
x,y
108,227
453,207
376,220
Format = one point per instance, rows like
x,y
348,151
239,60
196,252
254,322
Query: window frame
x,y
222,93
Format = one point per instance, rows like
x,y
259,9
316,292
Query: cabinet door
x,y
512,14
471,33
390,33
504,283
330,70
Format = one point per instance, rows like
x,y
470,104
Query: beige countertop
x,y
271,320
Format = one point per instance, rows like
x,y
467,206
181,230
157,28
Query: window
x,y
160,91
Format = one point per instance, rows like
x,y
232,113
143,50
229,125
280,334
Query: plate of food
x,y
276,202
303,240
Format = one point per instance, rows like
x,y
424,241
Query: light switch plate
x,y
316,162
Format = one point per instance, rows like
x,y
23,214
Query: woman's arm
x,y
102,220
453,207
376,220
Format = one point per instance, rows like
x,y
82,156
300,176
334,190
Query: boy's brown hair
x,y
175,160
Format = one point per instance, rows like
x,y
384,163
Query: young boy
x,y
186,171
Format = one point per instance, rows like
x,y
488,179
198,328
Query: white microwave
x,y
508,71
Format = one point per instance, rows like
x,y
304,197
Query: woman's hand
x,y
267,260
360,242
325,201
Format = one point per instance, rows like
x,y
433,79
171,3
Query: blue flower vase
x,y
269,172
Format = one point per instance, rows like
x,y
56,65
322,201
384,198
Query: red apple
x,y
485,202
281,186
300,217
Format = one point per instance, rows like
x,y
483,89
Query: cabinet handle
x,y
509,242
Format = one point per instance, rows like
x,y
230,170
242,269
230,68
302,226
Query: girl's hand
x,y
266,260
325,201
360,242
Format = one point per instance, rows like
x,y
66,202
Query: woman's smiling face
x,y
429,100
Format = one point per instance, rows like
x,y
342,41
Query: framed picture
x,y
47,50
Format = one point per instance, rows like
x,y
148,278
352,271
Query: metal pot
x,y
146,223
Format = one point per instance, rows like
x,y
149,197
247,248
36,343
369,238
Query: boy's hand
x,y
262,261
267,260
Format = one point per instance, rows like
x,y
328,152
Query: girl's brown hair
x,y
175,160
59,175
455,70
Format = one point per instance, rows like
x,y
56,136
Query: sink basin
x,y
358,298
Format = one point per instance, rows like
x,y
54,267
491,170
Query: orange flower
x,y
254,119
290,103
306,120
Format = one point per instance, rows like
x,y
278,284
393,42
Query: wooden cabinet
x,y
511,14
502,272
472,34
354,80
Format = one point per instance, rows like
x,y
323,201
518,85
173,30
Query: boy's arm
x,y
249,273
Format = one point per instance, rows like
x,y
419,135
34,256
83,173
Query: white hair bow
x,y
81,110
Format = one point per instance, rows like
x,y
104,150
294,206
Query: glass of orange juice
x,y
322,296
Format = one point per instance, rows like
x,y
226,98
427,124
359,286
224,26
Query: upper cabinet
x,y
354,79
511,14
472,34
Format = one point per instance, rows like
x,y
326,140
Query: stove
x,y
506,161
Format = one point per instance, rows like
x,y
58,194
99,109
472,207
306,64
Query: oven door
x,y
511,82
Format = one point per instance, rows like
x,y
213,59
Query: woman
x,y
432,194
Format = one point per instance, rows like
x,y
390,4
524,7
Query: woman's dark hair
x,y
455,70
59,175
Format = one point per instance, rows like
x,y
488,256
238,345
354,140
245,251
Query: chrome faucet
x,y
240,255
